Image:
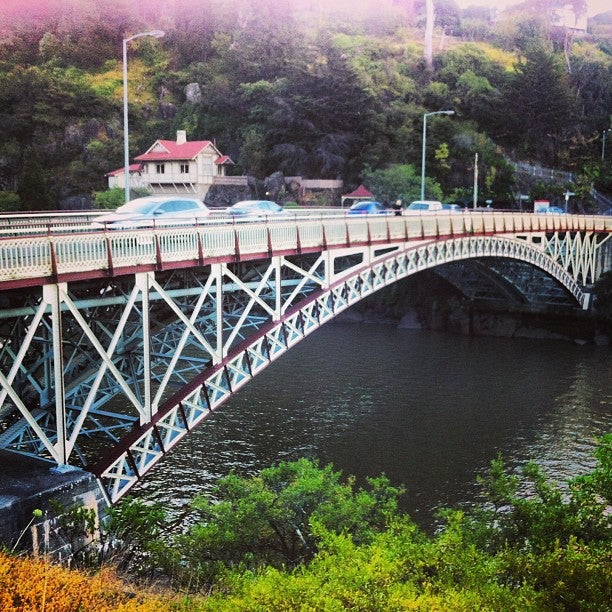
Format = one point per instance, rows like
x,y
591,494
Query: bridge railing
x,y
52,254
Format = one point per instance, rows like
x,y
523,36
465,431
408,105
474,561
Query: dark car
x,y
256,208
368,208
154,211
552,210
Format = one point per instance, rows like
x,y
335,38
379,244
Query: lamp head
x,y
153,33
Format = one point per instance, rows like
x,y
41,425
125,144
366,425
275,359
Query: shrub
x,y
32,584
115,197
9,201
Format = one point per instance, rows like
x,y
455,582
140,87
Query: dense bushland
x,y
321,90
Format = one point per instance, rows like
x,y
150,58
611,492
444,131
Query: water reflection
x,y
429,410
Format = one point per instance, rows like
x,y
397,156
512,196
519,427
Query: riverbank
x,y
429,303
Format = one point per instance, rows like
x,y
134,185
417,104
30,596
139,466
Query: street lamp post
x,y
603,143
443,112
126,152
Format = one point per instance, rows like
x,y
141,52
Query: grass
x,y
29,584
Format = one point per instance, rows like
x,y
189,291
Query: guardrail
x,y
52,253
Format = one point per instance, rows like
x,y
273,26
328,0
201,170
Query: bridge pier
x,y
28,484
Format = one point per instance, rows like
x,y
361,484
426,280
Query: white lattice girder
x,y
314,312
267,313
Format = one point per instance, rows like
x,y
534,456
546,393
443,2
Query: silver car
x,y
256,208
154,211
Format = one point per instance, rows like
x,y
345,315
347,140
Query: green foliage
x,y
400,569
550,516
9,201
76,526
571,576
298,537
313,89
547,551
32,186
115,197
132,533
400,182
542,123
50,113
520,31
268,520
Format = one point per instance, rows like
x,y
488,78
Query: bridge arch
x,y
366,270
87,316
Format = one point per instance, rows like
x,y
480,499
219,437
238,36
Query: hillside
x,y
300,87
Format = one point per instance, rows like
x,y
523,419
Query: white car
x,y
256,208
154,211
419,207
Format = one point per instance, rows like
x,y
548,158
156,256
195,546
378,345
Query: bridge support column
x,y
277,262
143,282
217,272
52,296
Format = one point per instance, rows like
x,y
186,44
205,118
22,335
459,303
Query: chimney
x,y
181,137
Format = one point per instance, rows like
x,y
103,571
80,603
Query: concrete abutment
x,y
28,485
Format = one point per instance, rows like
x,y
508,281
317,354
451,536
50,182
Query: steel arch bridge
x,y
115,345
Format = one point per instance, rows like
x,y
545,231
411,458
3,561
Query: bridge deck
x,y
31,255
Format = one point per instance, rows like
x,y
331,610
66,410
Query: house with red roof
x,y
175,167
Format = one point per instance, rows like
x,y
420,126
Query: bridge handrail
x,y
59,251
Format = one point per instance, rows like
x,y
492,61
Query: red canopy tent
x,y
361,193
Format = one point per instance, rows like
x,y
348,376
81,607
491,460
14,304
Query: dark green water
x,y
430,410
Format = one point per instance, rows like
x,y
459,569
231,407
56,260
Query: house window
x,y
161,168
184,168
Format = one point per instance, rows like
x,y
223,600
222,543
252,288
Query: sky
x,y
594,6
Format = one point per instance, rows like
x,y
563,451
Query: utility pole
x,y
475,201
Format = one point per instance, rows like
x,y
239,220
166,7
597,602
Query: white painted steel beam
x,y
176,344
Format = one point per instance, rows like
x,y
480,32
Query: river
x,y
428,409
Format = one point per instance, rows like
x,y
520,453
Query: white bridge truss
x,y
109,374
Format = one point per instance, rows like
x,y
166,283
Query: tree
x,y
32,187
550,515
269,519
55,112
9,201
115,197
400,181
430,17
539,109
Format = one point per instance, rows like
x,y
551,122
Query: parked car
x,y
256,208
422,206
452,207
154,210
368,208
551,210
